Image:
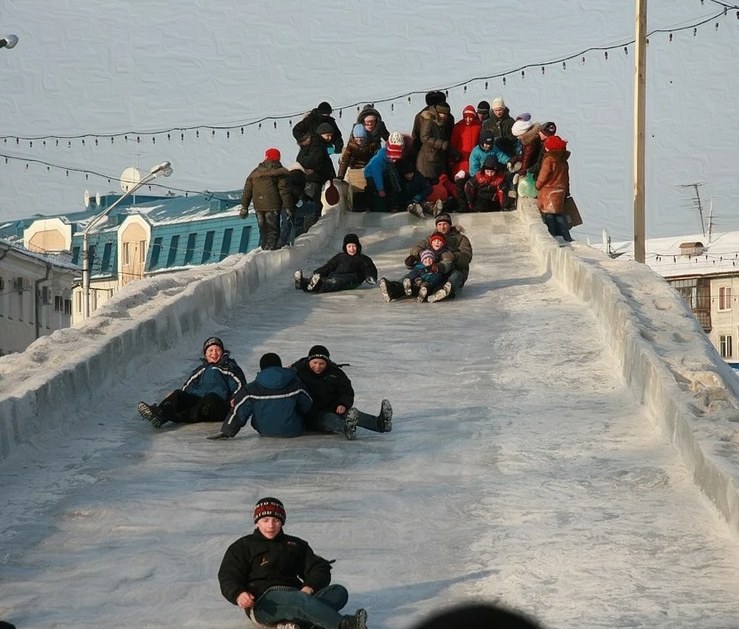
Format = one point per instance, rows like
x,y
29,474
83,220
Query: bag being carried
x,y
527,186
572,213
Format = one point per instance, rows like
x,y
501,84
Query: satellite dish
x,y
87,198
129,178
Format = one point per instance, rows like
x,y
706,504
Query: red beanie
x,y
469,111
555,143
272,154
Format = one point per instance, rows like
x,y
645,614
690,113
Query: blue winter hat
x,y
359,131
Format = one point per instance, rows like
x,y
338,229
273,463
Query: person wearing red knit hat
x,y
267,185
553,184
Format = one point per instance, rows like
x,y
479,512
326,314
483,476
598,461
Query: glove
x,y
411,261
220,435
244,212
371,281
431,268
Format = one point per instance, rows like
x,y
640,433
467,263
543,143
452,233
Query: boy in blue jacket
x,y
205,396
275,402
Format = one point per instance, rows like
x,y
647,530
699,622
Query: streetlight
x,y
164,169
8,41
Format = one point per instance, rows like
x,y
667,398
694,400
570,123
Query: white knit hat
x,y
497,103
520,127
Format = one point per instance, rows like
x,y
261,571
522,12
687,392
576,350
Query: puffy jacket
x,y
313,155
275,401
457,243
478,157
254,564
356,155
224,378
434,137
267,185
329,389
464,139
309,124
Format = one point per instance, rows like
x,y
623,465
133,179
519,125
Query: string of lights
x,y
94,139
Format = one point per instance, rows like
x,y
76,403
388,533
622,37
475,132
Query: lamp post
x,y
640,114
8,41
164,169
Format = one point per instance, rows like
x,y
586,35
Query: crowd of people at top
x,y
441,166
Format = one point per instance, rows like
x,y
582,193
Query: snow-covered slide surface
x,y
520,468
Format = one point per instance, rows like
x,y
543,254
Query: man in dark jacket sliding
x,y
275,402
278,579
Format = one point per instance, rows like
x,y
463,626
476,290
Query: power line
x,y
95,138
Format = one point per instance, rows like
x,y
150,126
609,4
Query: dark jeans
x,y
557,225
328,422
269,228
185,408
321,609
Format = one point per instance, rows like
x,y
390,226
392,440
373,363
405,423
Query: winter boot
x,y
358,621
407,286
288,624
314,279
152,413
438,207
444,292
350,424
416,209
385,418
423,293
385,290
298,275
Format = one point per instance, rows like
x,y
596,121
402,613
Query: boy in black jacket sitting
x,y
278,579
345,270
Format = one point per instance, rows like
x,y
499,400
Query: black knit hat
x,y
443,218
405,165
324,127
269,508
351,239
318,351
549,128
483,106
325,108
213,340
270,360
490,163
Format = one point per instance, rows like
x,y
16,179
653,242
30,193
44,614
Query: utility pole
x,y
640,114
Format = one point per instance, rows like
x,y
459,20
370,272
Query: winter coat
x,y
416,190
359,266
531,146
443,258
464,139
431,161
254,564
457,243
442,190
376,169
416,131
267,185
500,127
329,389
275,401
309,124
225,378
482,192
478,157
380,132
356,155
313,155
553,182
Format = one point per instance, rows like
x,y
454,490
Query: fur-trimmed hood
x,y
532,135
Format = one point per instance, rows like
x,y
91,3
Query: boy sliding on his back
x,y
429,273
345,270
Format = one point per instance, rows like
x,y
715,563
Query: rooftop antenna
x,y
710,220
697,201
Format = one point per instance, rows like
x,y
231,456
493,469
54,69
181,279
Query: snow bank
x,y
40,387
664,356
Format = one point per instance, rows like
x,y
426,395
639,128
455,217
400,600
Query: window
x,y
208,246
226,245
126,253
67,306
58,303
173,243
142,250
724,343
107,251
155,250
245,236
696,292
20,305
75,255
78,299
724,298
190,251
